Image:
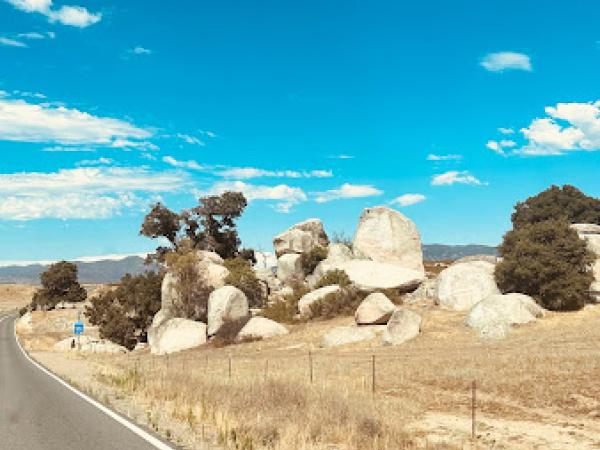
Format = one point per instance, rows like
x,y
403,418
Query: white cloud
x,y
34,35
12,42
347,190
342,156
191,164
408,199
76,16
451,157
499,146
82,193
243,173
506,130
192,140
286,196
29,94
501,61
96,162
455,177
210,134
140,51
29,122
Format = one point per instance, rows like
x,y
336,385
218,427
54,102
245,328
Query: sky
x,y
449,112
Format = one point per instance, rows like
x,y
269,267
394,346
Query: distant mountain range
x,y
111,270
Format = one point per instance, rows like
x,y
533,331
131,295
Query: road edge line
x,y
157,443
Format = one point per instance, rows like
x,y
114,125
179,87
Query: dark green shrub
x,y
242,276
343,303
336,276
59,284
286,309
555,202
124,314
227,334
547,261
312,258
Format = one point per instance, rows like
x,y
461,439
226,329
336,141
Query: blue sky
x,y
448,111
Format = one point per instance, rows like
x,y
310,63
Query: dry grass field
x,y
537,389
15,296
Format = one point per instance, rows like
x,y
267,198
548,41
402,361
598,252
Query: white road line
x,y
127,424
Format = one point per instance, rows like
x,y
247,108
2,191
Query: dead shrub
x,y
332,277
343,303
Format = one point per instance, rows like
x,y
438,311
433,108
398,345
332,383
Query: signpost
x,y
78,329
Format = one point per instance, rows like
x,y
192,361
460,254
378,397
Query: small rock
x,y
402,326
261,328
376,309
289,267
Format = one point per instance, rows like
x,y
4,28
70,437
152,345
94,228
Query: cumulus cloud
x,y
506,130
408,199
76,16
347,190
501,61
191,164
455,177
82,193
451,157
12,42
96,162
285,196
242,173
30,122
140,51
499,146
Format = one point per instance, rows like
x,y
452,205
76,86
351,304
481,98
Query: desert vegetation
x,y
59,284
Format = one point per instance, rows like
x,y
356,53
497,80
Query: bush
x,y
286,309
339,237
124,314
343,303
59,284
336,276
555,202
547,261
227,334
191,287
311,259
242,276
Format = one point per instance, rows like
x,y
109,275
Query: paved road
x,y
39,413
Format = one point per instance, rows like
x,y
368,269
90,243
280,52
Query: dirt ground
x,y
537,389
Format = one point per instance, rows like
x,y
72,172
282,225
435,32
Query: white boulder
x,y
461,286
314,296
427,291
176,335
337,255
225,304
289,267
402,326
301,238
376,309
591,234
494,315
349,335
261,328
265,260
386,236
371,275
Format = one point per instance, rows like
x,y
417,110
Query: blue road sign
x,y
78,328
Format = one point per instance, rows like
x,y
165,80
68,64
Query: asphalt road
x,y
39,413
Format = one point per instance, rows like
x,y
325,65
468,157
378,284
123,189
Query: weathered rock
x,y
591,234
301,238
289,267
461,286
427,291
376,309
168,292
337,255
386,236
371,275
402,326
492,313
314,296
265,260
261,328
159,318
178,334
349,335
225,304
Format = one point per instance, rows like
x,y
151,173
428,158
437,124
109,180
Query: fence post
x,y
266,369
230,367
473,409
310,366
373,374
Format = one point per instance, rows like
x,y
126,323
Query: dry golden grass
x,y
15,296
537,389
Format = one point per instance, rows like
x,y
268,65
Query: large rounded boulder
x,y
386,236
177,334
289,267
261,328
225,304
402,326
371,275
591,234
301,238
461,286
375,309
